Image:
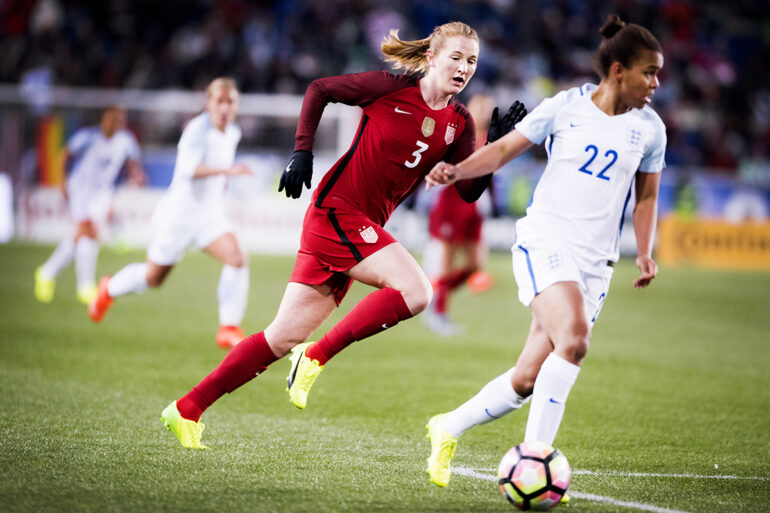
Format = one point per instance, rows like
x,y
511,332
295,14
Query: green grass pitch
x,y
670,413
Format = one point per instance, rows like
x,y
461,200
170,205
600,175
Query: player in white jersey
x,y
99,153
601,142
192,212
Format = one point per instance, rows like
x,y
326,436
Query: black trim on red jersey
x,y
343,163
343,236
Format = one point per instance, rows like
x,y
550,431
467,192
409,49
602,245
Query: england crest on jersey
x,y
368,234
449,136
635,137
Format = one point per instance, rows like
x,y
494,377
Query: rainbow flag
x,y
50,150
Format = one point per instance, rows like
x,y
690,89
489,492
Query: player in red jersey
x,y
455,226
409,123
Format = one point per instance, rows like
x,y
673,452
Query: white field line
x,y
469,472
653,474
647,474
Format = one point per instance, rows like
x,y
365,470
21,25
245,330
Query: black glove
x,y
299,171
500,127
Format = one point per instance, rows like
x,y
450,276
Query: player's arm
x,y
191,151
470,190
66,162
645,218
204,171
352,89
136,174
486,160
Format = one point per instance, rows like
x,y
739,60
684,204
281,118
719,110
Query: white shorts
x,y
89,205
537,268
174,230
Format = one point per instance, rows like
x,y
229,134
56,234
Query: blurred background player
x,y
456,225
193,212
409,123
99,153
602,141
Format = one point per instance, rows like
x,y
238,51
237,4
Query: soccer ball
x,y
534,476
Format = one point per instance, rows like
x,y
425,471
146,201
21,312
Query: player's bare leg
x,y
451,278
302,311
559,311
403,291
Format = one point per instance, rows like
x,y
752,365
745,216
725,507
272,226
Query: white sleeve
x,y
80,140
653,160
191,149
538,124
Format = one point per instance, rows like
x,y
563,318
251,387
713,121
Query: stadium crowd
x,y
715,98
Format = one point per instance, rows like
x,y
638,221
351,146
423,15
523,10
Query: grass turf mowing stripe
x,y
469,472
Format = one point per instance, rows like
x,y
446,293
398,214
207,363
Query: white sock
x,y
59,259
233,293
552,386
496,399
132,278
86,253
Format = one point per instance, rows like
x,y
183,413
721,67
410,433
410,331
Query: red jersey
x,y
400,138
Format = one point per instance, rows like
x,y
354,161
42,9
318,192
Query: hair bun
x,y
612,26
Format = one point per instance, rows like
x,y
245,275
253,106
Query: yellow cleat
x,y
87,293
44,288
442,450
564,499
187,431
302,375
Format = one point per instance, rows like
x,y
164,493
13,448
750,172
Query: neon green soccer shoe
x,y
442,450
87,293
302,375
44,288
187,431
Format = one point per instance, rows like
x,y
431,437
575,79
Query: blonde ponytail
x,y
411,55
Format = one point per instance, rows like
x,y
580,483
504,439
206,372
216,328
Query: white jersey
x,y
202,143
98,159
581,197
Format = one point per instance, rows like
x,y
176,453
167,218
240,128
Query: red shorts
x,y
453,220
332,242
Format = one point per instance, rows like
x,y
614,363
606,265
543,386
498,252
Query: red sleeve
x,y
466,142
470,190
353,89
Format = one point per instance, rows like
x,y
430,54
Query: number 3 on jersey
x,y
421,147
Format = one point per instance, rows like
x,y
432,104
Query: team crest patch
x,y
368,234
635,137
428,124
449,136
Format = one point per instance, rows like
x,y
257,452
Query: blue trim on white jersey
x,y
625,205
529,266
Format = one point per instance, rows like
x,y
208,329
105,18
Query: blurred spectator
x,y
715,94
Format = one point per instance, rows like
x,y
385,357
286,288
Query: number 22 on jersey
x,y
611,154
